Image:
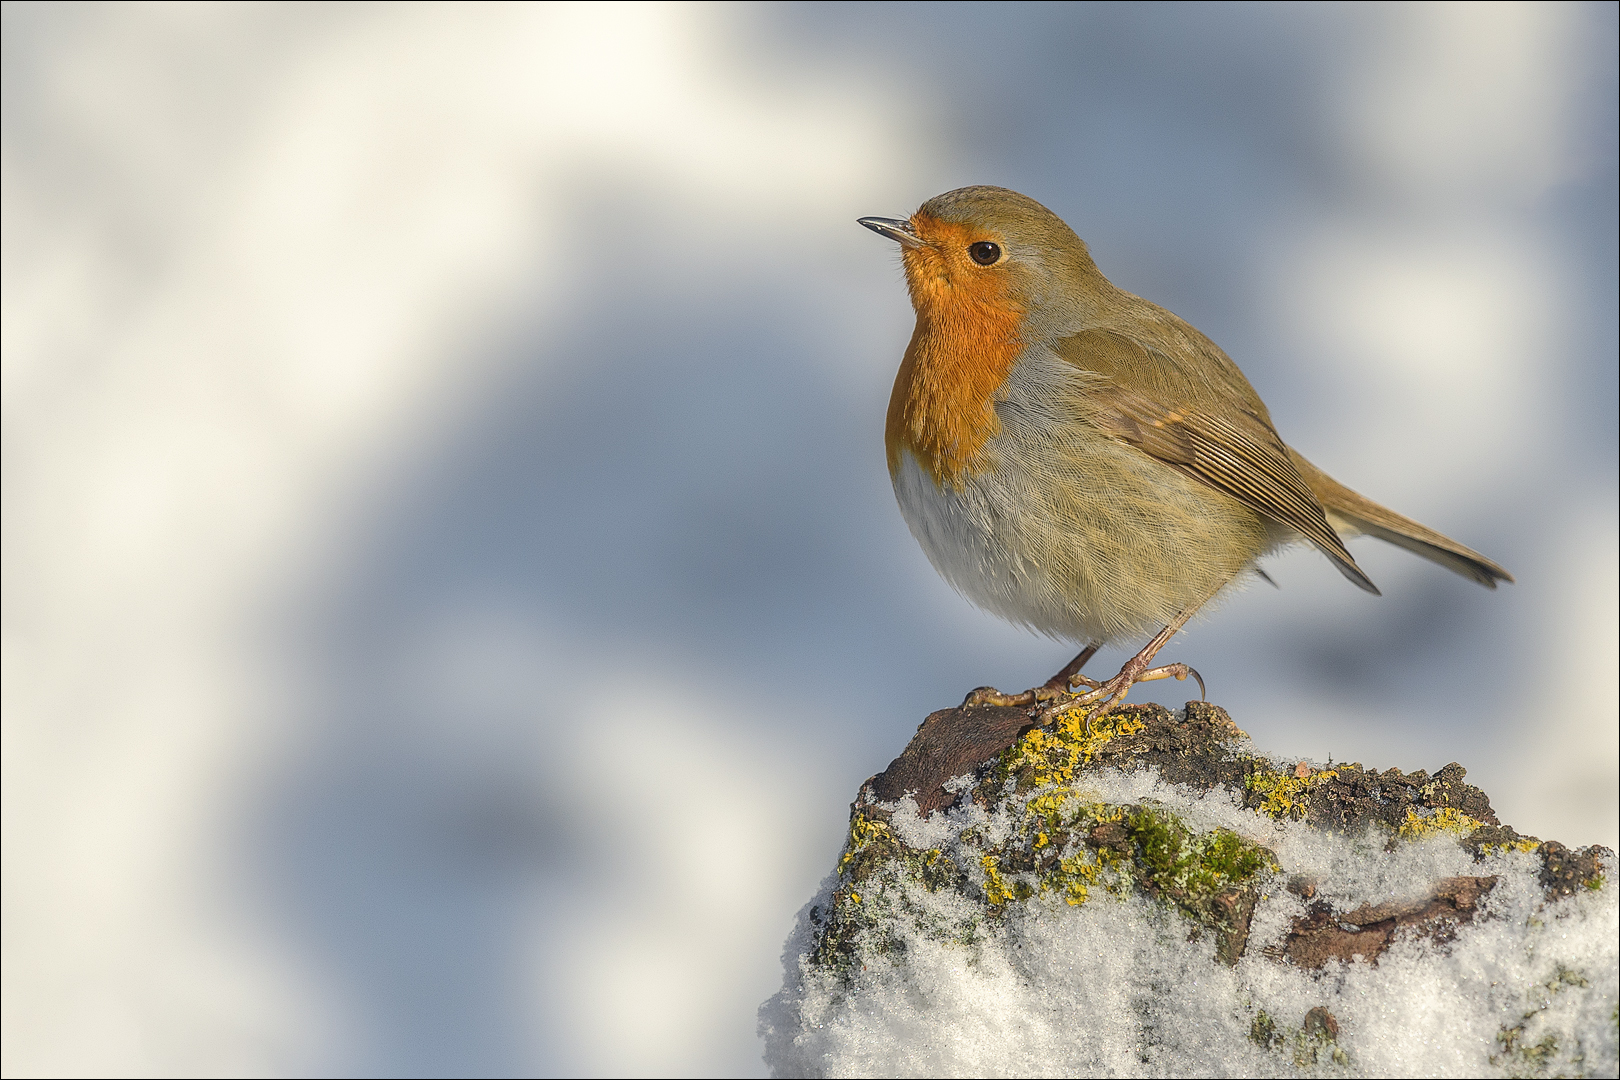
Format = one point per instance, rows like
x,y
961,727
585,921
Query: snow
x,y
1121,986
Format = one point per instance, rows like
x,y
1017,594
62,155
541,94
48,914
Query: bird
x,y
1084,463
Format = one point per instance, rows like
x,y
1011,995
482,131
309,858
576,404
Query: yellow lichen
x,y
1524,846
996,888
1051,757
1049,804
1444,820
1073,877
862,831
1087,743
1285,795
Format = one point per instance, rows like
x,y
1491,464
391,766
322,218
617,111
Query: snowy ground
x,y
1124,985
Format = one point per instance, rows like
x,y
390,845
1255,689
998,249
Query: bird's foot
x,y
1100,699
989,695
1053,689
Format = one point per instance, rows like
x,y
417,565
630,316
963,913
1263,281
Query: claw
x,y
1179,672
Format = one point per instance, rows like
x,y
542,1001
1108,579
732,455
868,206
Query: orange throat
x,y
966,341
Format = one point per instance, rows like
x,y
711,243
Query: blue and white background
x,y
451,584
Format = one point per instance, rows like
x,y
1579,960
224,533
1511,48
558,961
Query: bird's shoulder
x,y
1144,350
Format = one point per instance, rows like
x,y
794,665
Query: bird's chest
x,y
1055,525
943,410
1000,517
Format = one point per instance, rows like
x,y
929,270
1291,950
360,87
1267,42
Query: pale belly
x,y
1073,534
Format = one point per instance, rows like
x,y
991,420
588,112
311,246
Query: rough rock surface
x,y
1098,874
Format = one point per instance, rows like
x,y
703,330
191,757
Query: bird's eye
x,y
985,253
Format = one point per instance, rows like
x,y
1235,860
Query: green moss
x,y
1311,1045
1524,1059
876,896
1068,847
1545,1057
1195,864
876,869
1209,876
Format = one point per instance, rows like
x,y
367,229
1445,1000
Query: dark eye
x,y
984,252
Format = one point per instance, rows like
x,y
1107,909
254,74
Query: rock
x,y
949,743
1319,1023
1564,871
1062,896
1367,931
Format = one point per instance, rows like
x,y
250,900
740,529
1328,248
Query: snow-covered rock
x,y
1153,897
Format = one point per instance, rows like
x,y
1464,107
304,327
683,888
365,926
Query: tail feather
x,y
1349,512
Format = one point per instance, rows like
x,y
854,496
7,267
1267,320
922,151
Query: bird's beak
x,y
897,229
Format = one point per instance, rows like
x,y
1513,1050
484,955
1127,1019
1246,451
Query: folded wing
x,y
1201,433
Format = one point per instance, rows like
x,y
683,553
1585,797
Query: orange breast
x,y
965,343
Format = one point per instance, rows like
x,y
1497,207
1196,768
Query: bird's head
x,y
991,248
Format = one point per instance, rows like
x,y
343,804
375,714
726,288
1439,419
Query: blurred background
x,y
451,584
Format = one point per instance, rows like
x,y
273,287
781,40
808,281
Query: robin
x,y
1082,462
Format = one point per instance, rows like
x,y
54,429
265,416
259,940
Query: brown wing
x,y
1143,398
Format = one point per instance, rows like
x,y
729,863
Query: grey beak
x,y
897,229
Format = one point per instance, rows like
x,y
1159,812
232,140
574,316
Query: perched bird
x,y
1080,461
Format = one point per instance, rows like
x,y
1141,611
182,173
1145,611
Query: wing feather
x,y
1235,451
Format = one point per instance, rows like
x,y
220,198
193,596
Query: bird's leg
x,y
1065,679
1051,689
1102,698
